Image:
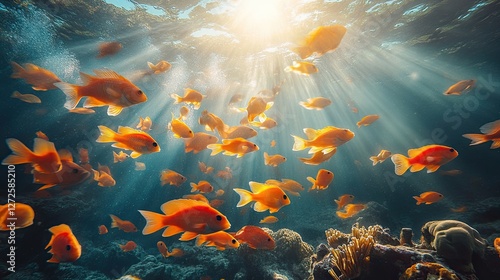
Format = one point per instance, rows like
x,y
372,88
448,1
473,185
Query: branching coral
x,y
336,237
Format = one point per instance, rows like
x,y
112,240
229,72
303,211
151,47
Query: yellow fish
x,y
233,147
302,67
139,142
381,157
171,177
266,197
323,179
273,160
191,96
316,103
321,40
325,139
179,128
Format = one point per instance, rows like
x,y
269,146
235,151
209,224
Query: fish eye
x,y
68,247
139,92
452,150
219,218
233,241
74,170
269,239
254,145
284,196
155,144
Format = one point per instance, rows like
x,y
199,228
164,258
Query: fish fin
x,y
86,78
53,259
342,215
114,220
216,148
72,94
120,146
374,160
416,152
201,239
17,70
21,153
154,221
401,164
432,168
107,73
188,235
43,146
490,128
299,144
245,197
266,158
135,154
65,155
171,231
107,135
495,144
476,138
96,175
46,187
338,204
259,207
311,133
418,199
303,51
328,150
114,110
176,97
151,66
416,167
93,102
115,157
62,228
257,187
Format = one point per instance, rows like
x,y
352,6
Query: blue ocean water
x,y
396,60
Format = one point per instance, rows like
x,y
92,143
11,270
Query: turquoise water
x,y
395,60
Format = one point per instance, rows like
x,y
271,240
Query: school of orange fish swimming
x,y
194,215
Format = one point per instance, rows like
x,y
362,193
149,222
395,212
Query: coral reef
x,y
405,237
428,270
350,259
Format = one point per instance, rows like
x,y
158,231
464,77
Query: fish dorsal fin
x,y
172,230
151,66
269,105
114,110
257,187
107,73
128,130
188,235
92,102
43,146
86,78
310,133
65,155
103,168
490,128
173,206
259,207
31,67
62,228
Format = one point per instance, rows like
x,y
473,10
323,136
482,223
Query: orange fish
x,y
139,142
104,177
70,174
42,135
126,226
160,67
216,203
82,111
140,166
316,103
273,160
28,98
302,67
367,120
204,168
202,186
430,156
319,157
381,157
84,155
264,122
183,111
144,124
238,131
288,185
255,107
65,246
179,128
459,209
221,240
233,147
172,178
185,215
129,246
255,237
106,89
191,96
344,200
269,220
266,197
109,48
428,197
41,79
323,179
351,210
44,158
120,157
496,244
212,122
235,99
22,217
460,87
491,132
219,193
176,252
102,229
273,143
321,40
199,142
225,174
197,196
325,139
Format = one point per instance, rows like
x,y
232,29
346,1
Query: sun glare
x,y
259,18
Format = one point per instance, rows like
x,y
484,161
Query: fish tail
x,y
476,138
72,94
311,179
17,70
107,135
303,51
342,215
401,164
374,160
216,148
177,98
114,220
194,187
245,197
115,157
299,144
154,222
266,158
201,239
418,199
21,153
338,204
